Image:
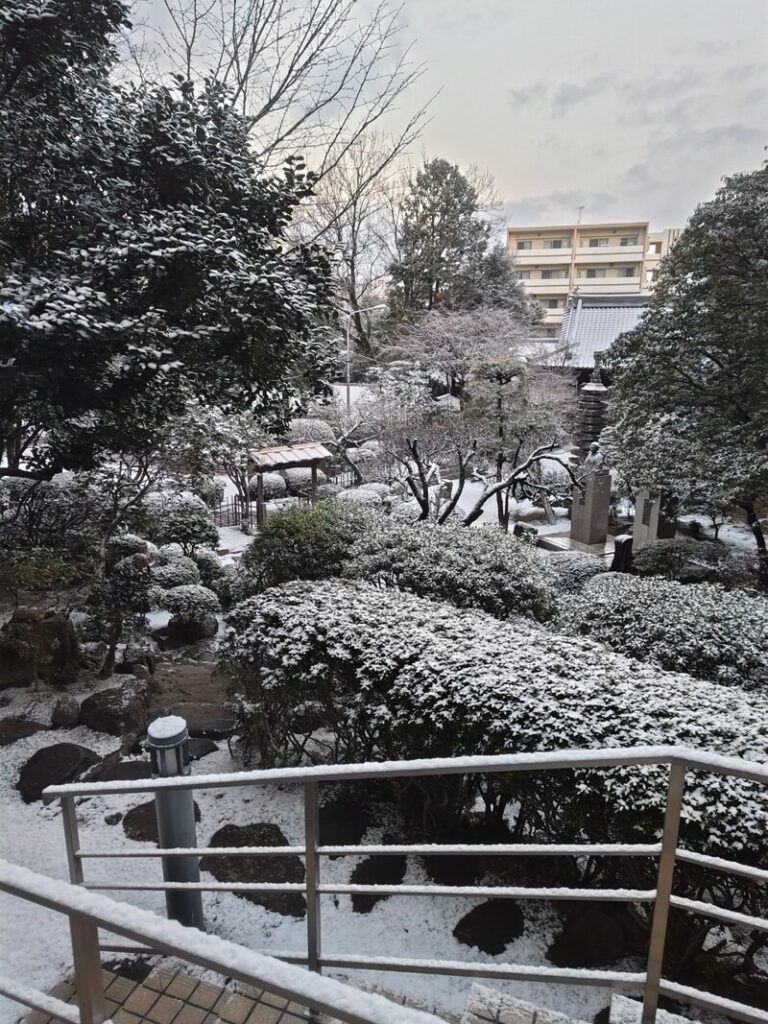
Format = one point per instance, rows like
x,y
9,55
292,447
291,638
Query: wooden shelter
x,y
309,455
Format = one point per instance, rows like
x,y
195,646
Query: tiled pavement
x,y
174,997
168,996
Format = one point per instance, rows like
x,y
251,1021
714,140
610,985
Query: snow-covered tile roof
x,y
592,323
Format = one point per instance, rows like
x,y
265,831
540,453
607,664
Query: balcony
x,y
279,974
614,253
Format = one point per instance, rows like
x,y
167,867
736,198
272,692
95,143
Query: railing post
x,y
311,844
664,881
89,982
175,812
86,955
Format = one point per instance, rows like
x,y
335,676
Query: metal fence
x,y
650,982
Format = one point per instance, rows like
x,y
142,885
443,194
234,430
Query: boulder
x,y
113,769
491,926
118,710
343,822
180,632
591,937
258,869
200,746
142,653
35,649
66,713
140,823
93,654
53,766
13,729
211,720
380,869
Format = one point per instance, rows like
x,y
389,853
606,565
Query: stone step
x,y
629,1011
486,1006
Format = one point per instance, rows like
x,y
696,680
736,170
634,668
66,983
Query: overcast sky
x,y
633,109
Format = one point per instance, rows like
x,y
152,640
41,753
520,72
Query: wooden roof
x,y
289,456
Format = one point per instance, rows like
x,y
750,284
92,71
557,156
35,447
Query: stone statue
x,y
594,462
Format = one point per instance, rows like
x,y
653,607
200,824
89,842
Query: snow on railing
x,y
680,761
92,911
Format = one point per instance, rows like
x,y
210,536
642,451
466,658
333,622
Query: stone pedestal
x,y
650,522
589,515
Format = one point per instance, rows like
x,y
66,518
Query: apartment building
x,y
598,259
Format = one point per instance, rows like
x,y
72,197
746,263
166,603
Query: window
x,y
552,303
528,244
650,276
524,275
629,240
626,272
593,272
654,248
552,243
597,243
553,275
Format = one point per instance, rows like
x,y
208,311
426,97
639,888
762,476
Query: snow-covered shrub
x,y
209,565
383,490
401,677
309,429
62,515
570,570
328,491
705,630
176,573
209,489
669,558
303,543
407,511
191,603
469,568
182,519
123,545
359,496
274,486
299,481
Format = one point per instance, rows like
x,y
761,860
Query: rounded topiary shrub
x,y
191,603
307,429
704,630
182,519
123,545
570,570
177,573
209,565
359,496
274,486
671,558
299,481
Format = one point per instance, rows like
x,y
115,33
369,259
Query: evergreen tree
x,y
441,236
690,403
142,253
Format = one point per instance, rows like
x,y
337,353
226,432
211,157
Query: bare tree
x,y
311,78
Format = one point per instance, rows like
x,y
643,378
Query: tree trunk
x,y
762,550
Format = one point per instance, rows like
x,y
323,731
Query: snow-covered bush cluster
x,y
470,568
209,565
307,429
299,481
703,630
570,570
361,496
670,558
397,676
191,603
181,519
273,486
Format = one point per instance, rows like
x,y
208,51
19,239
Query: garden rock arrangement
x,y
38,650
118,711
53,766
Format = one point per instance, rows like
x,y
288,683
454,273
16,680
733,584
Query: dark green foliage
x,y
669,558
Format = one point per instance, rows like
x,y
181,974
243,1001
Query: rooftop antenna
x,y
578,219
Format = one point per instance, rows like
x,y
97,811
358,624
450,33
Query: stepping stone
x,y
380,869
289,868
140,823
590,938
343,822
491,926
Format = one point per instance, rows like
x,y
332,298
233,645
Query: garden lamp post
x,y
349,315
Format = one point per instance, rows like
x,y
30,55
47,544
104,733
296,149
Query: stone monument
x,y
651,519
591,501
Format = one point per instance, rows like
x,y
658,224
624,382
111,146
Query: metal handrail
x,y
88,912
680,760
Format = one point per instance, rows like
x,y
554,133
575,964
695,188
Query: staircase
x,y
486,1006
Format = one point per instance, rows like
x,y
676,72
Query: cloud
x,y
559,207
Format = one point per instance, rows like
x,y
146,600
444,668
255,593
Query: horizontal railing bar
x,y
540,761
508,972
36,1000
719,913
324,995
128,947
331,889
422,850
731,867
707,1001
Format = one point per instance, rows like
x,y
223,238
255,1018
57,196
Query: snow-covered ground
x,y
34,946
